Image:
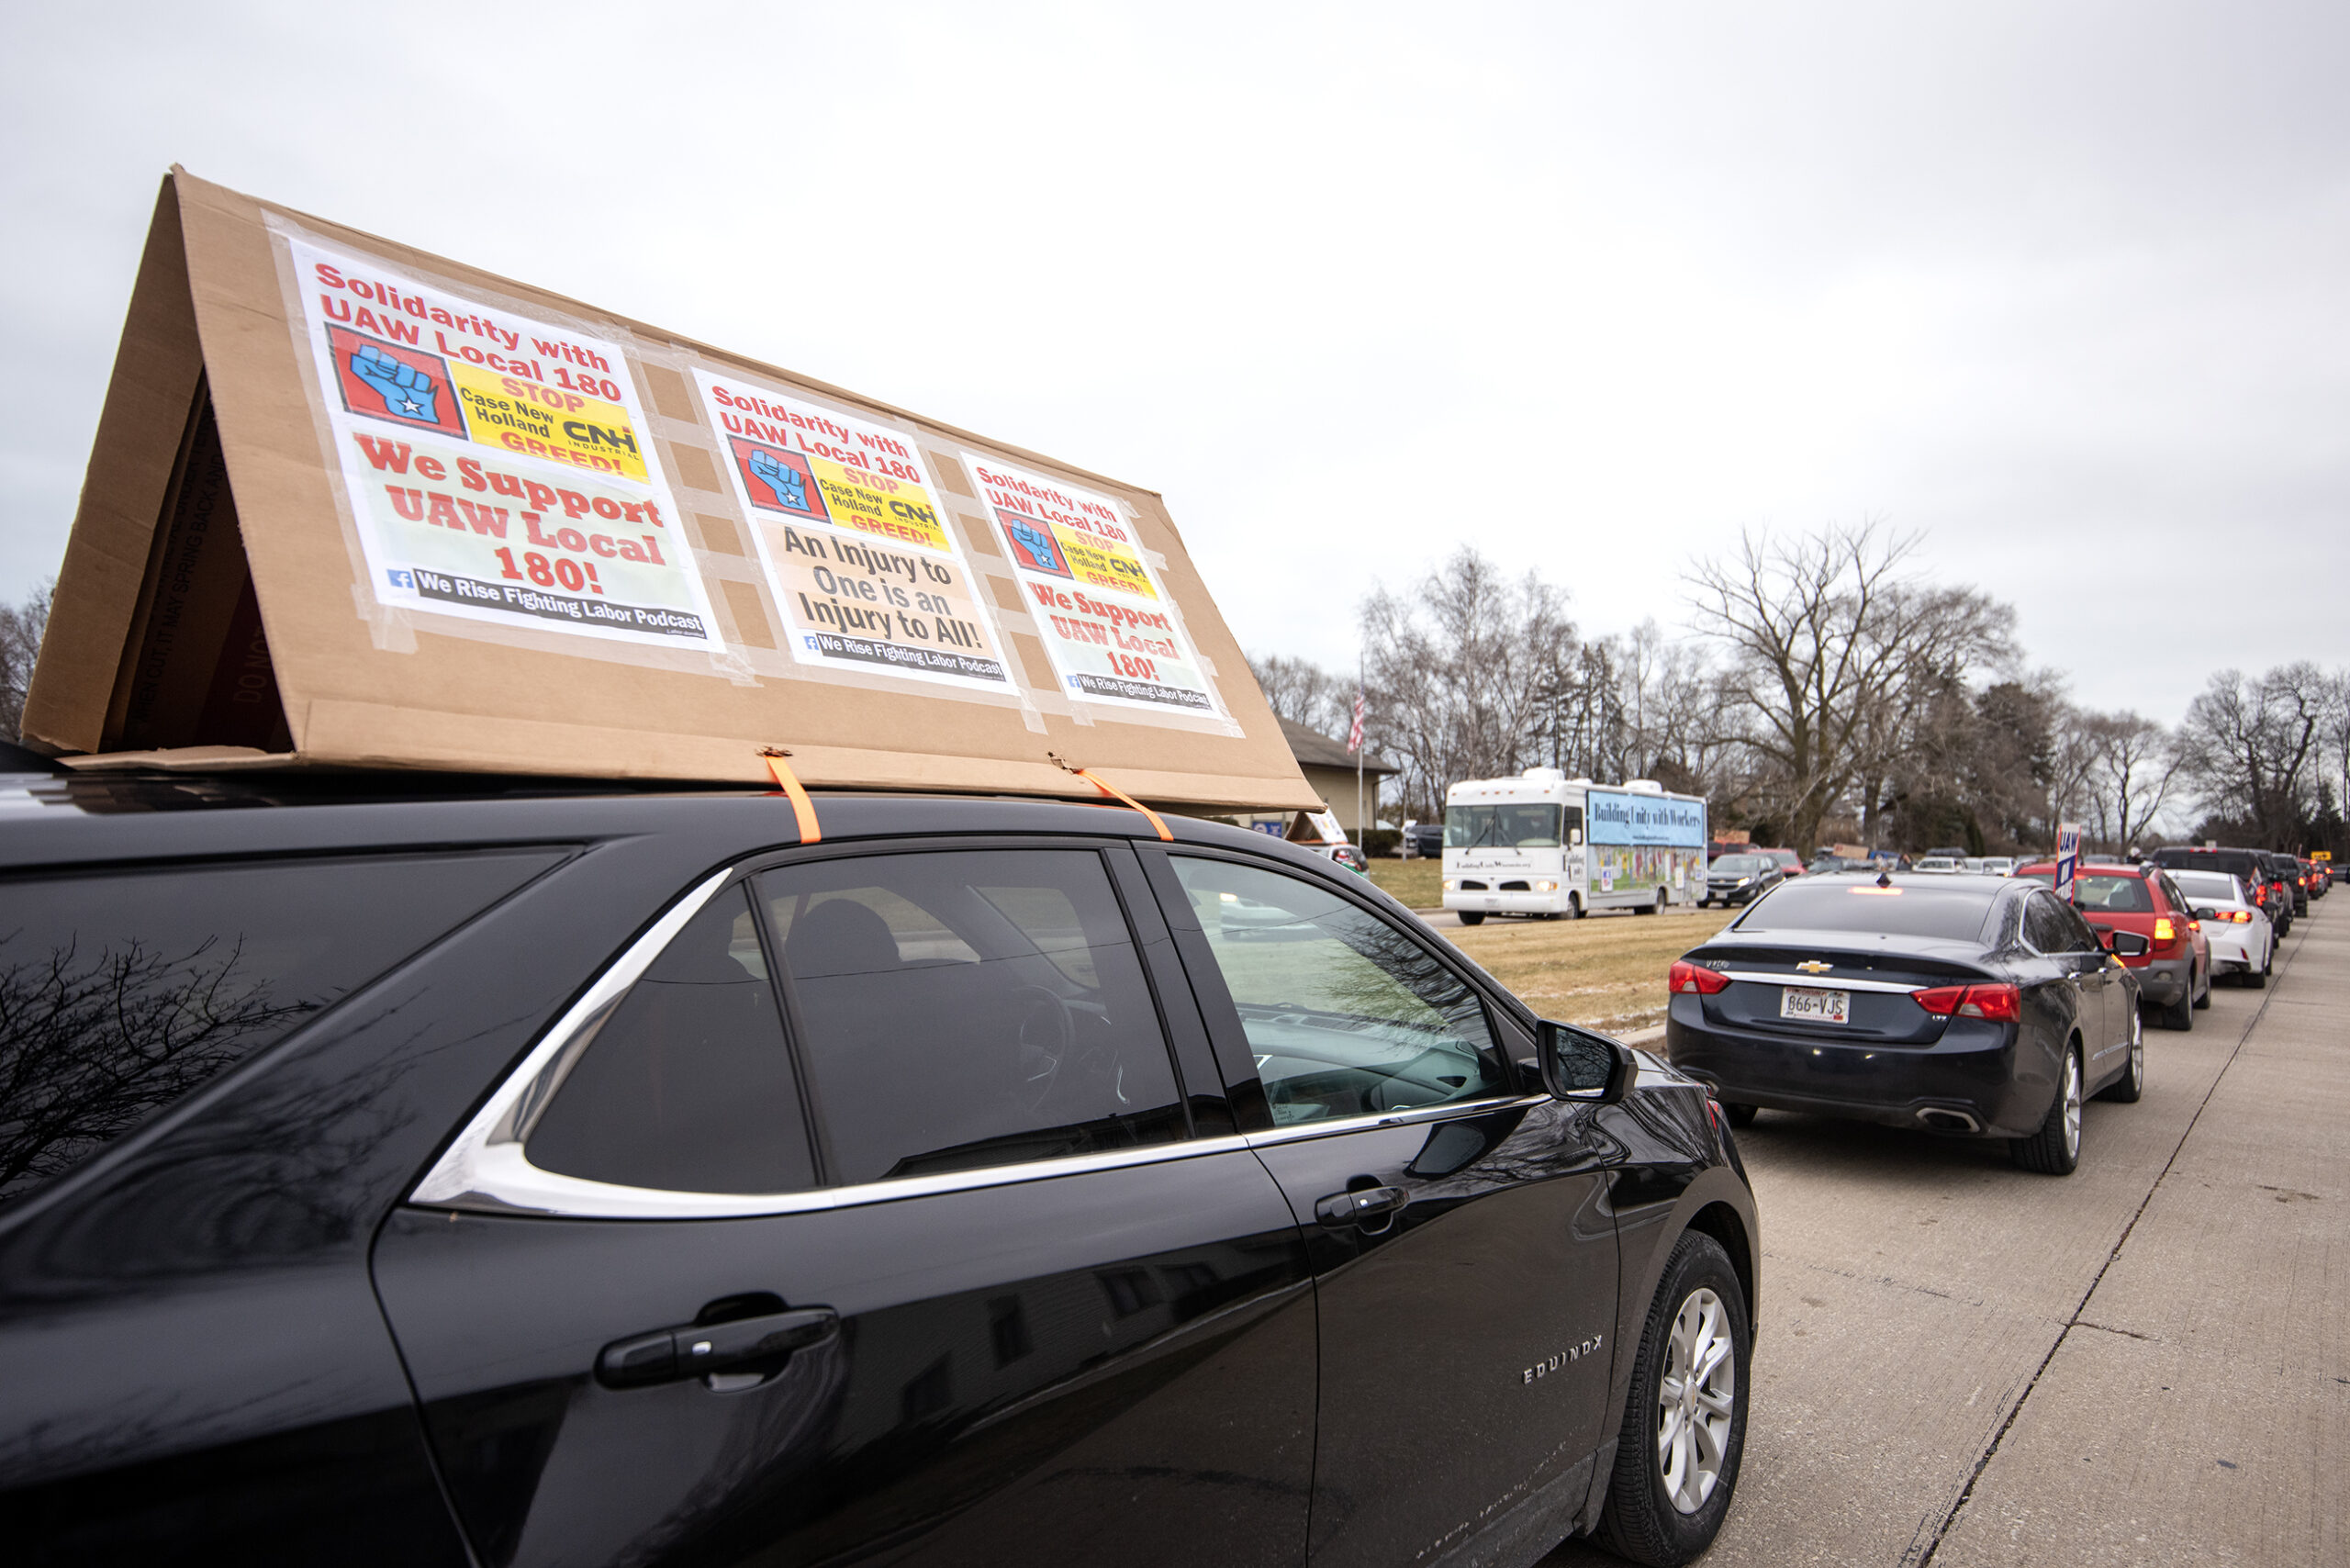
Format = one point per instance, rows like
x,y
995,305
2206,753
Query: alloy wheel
x,y
1694,1398
2073,1105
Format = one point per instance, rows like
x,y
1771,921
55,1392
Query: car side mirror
x,y
2125,944
2205,911
1578,1064
1574,837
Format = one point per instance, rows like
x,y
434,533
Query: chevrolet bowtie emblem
x,y
1814,967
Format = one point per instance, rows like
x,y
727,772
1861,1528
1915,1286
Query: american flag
x,y
1354,731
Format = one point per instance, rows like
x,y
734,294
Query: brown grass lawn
x,y
1605,972
1412,883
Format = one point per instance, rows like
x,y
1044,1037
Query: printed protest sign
x,y
854,544
353,505
1111,633
496,464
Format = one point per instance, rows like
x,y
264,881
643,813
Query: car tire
x,y
1574,906
1472,917
2258,978
2131,1085
1740,1115
1699,1308
2055,1148
2203,997
2179,1015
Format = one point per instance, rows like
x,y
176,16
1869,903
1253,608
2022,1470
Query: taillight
x,y
2164,932
1942,1000
2000,1003
1694,980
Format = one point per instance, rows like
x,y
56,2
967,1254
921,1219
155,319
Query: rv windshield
x,y
1533,825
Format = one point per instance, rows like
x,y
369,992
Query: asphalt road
x,y
2145,1363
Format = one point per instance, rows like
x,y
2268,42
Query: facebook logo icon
x,y
400,580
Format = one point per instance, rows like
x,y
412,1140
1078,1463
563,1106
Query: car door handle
x,y
667,1355
1370,1206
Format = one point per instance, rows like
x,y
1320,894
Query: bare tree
x,y
2248,746
1836,654
1461,669
1303,692
20,631
2135,765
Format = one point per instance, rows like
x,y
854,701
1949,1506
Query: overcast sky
x,y
1592,288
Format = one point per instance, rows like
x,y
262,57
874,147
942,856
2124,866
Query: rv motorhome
x,y
1543,844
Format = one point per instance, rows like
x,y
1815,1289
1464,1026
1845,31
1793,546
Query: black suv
x,y
469,1173
2255,868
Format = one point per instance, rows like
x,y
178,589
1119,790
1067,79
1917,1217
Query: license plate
x,y
1815,1006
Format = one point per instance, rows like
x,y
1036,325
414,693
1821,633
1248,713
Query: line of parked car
x,y
1962,995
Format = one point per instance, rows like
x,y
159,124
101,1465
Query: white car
x,y
1942,864
2243,941
1998,866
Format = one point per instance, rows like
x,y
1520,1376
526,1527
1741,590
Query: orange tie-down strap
x,y
1109,789
802,806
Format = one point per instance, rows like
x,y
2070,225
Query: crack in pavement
x,y
2109,1328
1983,1463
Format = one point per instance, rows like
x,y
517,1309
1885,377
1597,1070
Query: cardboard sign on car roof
x,y
355,506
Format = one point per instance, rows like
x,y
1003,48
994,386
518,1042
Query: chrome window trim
x,y
472,1159
485,1169
1298,1132
1817,982
507,1183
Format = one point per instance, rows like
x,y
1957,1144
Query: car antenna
x,y
1884,879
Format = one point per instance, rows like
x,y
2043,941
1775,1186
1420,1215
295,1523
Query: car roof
x,y
52,819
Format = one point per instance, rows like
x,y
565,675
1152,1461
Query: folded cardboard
x,y
355,506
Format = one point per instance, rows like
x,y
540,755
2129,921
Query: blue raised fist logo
x,y
407,392
789,485
1042,554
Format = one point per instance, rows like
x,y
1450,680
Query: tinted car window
x,y
2112,895
687,1087
1906,909
1345,1014
2208,887
966,1009
119,994
2048,926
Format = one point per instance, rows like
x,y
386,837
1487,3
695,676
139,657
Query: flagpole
x,y
1363,830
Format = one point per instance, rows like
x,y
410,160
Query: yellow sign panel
x,y
1102,563
537,421
875,503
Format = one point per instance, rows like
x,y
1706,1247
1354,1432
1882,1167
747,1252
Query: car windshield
x,y
2213,886
1744,865
1937,863
1953,911
1533,825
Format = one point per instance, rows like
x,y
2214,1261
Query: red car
x,y
2175,971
